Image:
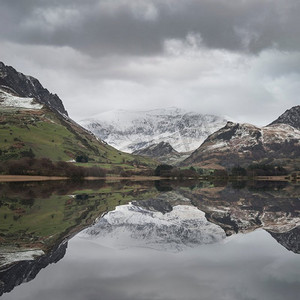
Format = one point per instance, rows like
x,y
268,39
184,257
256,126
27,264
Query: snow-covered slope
x,y
134,226
133,130
9,100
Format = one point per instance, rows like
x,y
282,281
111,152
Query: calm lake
x,y
150,240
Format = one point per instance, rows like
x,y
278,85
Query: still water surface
x,y
199,242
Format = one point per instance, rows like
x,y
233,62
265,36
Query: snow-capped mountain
x,y
135,226
133,130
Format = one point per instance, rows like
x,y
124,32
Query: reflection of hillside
x,y
25,271
272,207
290,240
42,215
39,216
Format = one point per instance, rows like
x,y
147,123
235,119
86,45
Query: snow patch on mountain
x,y
134,130
133,226
8,256
9,100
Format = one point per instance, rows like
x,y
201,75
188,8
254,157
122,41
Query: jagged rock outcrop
x,y
134,130
290,117
29,87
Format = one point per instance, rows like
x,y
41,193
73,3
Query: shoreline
x,y
30,178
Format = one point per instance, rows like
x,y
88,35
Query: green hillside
x,y
45,133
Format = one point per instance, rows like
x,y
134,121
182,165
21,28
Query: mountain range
x,y
34,122
177,137
131,131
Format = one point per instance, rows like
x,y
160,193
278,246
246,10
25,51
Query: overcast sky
x,y
239,58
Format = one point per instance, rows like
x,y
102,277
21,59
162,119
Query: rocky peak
x,y
156,150
237,143
163,152
27,86
290,117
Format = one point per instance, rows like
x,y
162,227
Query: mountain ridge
x,y
242,144
130,131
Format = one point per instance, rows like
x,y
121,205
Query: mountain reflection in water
x,y
202,221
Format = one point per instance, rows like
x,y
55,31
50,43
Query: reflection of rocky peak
x,y
25,271
154,205
163,202
131,225
290,240
27,86
244,210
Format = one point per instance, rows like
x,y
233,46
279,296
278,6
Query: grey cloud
x,y
96,28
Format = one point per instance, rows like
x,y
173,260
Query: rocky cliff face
x,y
29,87
290,117
131,131
244,143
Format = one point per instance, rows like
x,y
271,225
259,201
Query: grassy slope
x,y
50,135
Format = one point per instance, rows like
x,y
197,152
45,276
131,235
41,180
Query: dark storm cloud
x,y
141,27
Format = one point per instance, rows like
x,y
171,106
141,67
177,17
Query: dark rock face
x,y
27,270
27,86
290,240
157,150
290,117
162,152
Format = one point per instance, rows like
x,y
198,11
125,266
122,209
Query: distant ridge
x,y
130,131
